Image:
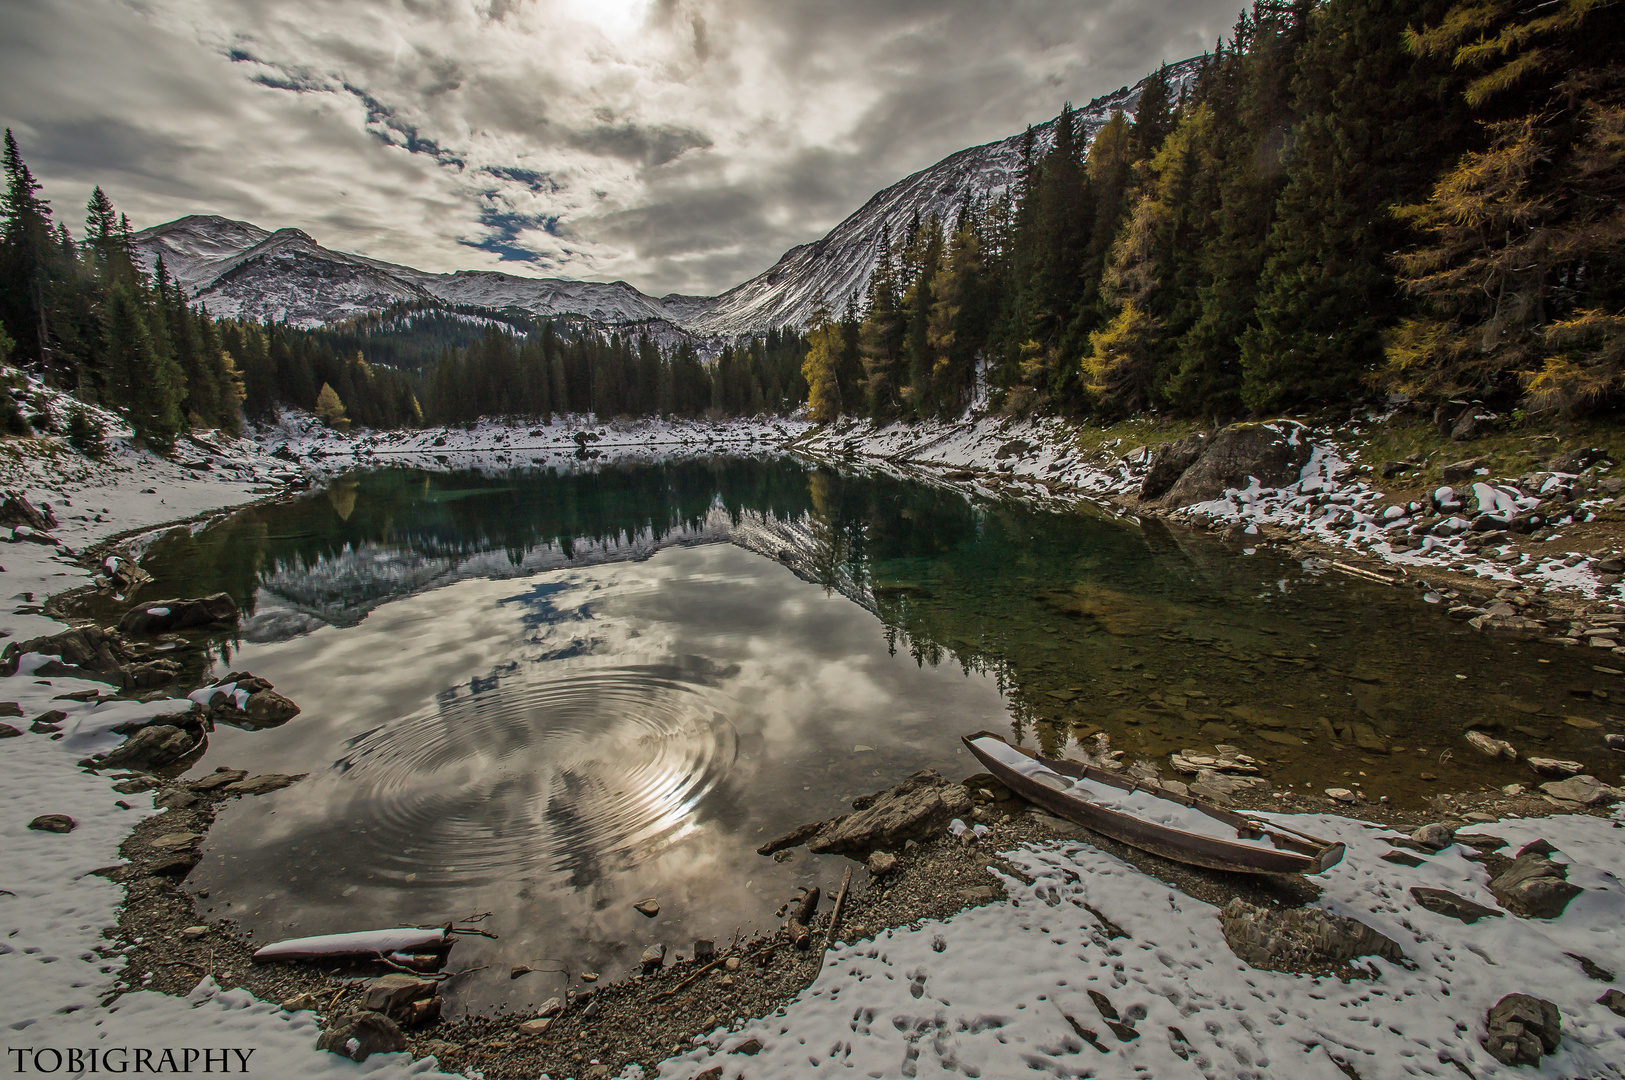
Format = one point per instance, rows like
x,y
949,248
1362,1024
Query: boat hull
x,y
1292,853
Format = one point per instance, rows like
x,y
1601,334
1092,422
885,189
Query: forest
x,y
1351,201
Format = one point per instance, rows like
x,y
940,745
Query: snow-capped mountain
x,y
242,271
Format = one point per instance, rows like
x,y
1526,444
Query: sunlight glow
x,y
617,18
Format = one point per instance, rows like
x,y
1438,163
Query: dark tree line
x,y
545,372
1353,197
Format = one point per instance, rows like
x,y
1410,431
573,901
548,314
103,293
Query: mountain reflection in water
x,y
550,695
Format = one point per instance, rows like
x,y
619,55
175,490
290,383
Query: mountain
x,y
242,271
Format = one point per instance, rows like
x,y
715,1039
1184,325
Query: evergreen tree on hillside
x,y
27,254
1520,273
1376,120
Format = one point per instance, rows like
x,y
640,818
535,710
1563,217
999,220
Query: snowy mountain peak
x,y
240,270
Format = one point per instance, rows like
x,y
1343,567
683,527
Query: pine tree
x,y
27,255
1373,130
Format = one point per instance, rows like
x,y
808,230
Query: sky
x,y
679,145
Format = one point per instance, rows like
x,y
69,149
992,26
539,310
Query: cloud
x,y
682,145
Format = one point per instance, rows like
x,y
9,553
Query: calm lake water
x,y
549,696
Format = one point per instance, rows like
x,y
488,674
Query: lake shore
x,y
243,471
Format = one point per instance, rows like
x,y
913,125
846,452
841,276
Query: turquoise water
x,y
551,695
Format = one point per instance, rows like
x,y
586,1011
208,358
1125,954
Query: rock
x,y
394,994
10,708
1169,463
260,785
550,1008
8,732
881,863
1556,767
1490,746
1534,887
153,747
171,841
218,779
175,866
1457,471
1342,795
1614,1001
263,709
731,964
1434,837
193,933
84,652
979,894
299,1003
653,957
1441,902
1470,424
167,616
1274,454
918,807
359,1035
1391,469
57,823
750,1046
1585,790
17,510
535,1027
178,799
1297,938
704,950
1520,1029
648,908
1577,461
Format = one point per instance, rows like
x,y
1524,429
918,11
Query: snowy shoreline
x,y
941,995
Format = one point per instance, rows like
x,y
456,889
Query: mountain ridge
x,y
240,270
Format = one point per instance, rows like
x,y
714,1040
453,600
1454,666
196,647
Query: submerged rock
x,y
1299,938
1521,1028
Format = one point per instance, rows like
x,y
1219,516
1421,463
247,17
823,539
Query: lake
x,y
549,695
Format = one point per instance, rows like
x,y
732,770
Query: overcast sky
x,y
680,145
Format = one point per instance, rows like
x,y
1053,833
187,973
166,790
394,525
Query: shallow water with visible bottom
x,y
549,696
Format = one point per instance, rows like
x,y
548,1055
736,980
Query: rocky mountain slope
x,y
241,270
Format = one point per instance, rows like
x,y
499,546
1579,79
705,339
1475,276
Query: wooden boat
x,y
1218,839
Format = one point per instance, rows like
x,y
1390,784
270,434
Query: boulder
x,y
359,1035
1443,902
1299,938
16,510
1584,790
918,807
1520,1029
1534,887
84,652
395,994
266,709
1273,454
152,747
1168,464
165,616
1457,471
57,823
1434,837
1576,461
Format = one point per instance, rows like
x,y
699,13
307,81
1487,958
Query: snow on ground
x,y
999,990
53,909
1002,990
1331,503
494,445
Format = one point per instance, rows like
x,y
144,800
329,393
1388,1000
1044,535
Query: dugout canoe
x,y
1178,827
